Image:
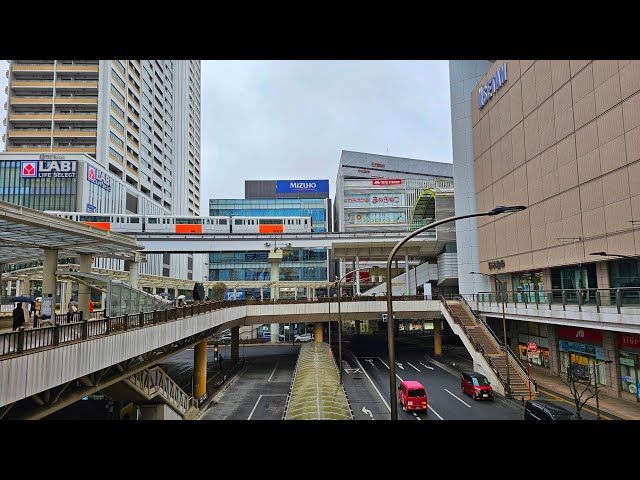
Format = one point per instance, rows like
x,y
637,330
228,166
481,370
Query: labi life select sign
x,y
485,92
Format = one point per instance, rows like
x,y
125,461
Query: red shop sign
x,y
578,334
628,340
392,181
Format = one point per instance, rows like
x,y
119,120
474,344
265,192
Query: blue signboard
x,y
581,348
239,296
296,186
91,208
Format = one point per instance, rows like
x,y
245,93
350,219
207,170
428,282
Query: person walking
x,y
220,360
71,309
18,317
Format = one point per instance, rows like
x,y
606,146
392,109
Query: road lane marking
x,y
274,371
437,415
426,366
412,366
366,411
572,403
374,386
457,398
260,398
389,368
400,366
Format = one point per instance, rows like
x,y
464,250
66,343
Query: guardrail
x,y
582,297
21,341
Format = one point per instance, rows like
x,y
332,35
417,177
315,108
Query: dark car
x,y
545,410
476,385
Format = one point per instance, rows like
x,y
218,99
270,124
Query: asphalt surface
x,y
260,390
445,399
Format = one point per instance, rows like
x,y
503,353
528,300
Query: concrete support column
x,y
313,293
134,273
357,323
235,343
295,294
235,293
26,287
437,337
261,294
317,332
275,258
18,287
200,369
554,352
407,290
275,332
612,370
175,293
84,291
357,275
9,287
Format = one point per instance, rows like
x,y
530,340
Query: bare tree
x,y
218,291
580,385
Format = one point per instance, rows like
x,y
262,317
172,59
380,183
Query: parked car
x,y
226,337
476,385
303,337
412,396
546,410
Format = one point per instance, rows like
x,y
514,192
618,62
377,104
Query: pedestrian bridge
x,y
57,365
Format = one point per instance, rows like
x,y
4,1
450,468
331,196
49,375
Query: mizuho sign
x,y
485,92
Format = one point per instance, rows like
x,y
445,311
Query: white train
x,y
126,223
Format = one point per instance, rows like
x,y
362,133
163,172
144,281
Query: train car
x,y
270,224
176,224
115,222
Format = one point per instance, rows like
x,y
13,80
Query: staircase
x,y
485,342
154,382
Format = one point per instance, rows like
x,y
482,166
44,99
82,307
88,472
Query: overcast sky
x,y
291,119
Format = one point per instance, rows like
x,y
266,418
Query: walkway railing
x,y
155,381
609,299
21,341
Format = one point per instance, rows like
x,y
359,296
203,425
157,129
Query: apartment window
x,y
117,124
117,109
145,163
146,150
116,154
120,65
117,78
146,137
118,95
148,113
116,139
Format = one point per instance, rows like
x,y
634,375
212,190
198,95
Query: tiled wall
x,y
563,137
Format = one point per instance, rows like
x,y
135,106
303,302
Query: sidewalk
x,y
550,385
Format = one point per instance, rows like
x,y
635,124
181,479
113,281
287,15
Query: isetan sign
x,y
485,92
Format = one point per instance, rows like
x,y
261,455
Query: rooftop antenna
x,y
387,149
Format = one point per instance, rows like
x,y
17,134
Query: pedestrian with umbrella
x,y
18,317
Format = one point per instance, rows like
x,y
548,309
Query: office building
x,y
138,119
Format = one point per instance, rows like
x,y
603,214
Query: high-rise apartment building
x,y
139,119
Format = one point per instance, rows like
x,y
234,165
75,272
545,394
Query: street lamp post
x,y
338,280
595,375
504,329
390,324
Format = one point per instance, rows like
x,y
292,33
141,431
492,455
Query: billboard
x,y
376,218
294,186
374,199
48,168
98,177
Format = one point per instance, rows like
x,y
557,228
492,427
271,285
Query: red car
x,y
476,385
412,396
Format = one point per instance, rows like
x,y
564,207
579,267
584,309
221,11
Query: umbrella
x,y
163,294
38,299
21,299
181,297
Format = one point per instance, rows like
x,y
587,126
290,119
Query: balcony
x,y
49,84
77,68
48,100
26,117
49,68
28,149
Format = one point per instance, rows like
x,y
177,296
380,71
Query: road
x,y
260,391
445,399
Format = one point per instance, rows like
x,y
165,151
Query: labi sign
x,y
48,168
98,177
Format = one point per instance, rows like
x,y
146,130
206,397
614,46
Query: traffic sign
x,y
532,347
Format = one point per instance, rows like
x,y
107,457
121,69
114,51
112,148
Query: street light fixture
x,y
605,254
504,329
338,280
390,324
